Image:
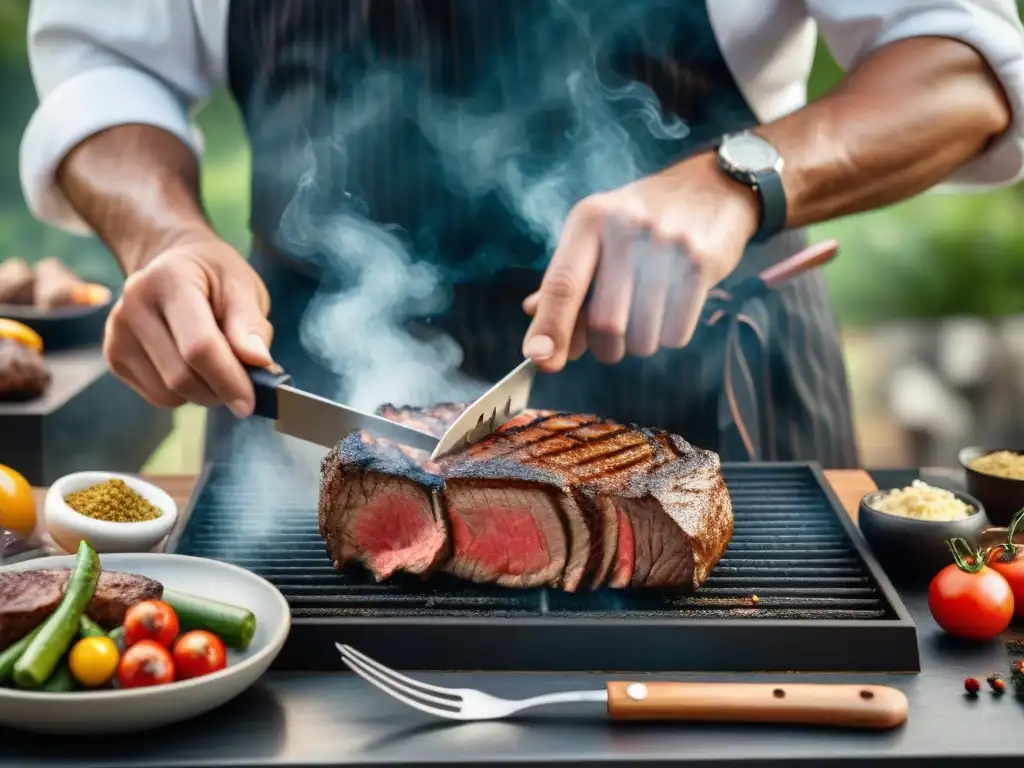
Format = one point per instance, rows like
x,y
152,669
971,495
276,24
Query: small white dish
x,y
67,527
137,709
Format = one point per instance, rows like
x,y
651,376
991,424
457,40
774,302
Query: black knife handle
x,y
265,382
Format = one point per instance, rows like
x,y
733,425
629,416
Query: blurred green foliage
x,y
933,256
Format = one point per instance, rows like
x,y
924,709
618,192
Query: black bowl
x,y
64,327
911,550
1002,496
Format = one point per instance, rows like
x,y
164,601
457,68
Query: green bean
x,y
13,652
47,648
89,628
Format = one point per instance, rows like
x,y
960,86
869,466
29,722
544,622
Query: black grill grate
x,y
822,602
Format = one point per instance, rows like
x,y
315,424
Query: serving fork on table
x,y
874,707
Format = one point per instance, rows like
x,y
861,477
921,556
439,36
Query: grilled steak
x,y
23,374
17,281
549,500
28,597
383,511
54,283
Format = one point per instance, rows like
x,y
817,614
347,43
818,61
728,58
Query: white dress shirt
x,y
102,63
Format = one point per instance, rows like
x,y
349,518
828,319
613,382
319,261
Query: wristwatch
x,y
751,160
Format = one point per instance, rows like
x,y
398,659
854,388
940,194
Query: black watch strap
x,y
773,204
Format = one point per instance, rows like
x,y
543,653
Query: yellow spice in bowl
x,y
1001,464
112,501
921,501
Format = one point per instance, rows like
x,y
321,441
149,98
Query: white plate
x,y
119,711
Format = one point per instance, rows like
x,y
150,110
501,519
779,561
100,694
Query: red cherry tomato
x,y
968,599
198,653
145,663
1008,560
150,620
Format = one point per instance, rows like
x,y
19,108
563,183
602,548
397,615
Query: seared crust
x,y
23,373
672,494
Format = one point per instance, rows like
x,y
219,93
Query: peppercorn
x,y
995,682
1017,676
972,686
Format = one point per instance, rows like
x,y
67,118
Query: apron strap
x,y
745,418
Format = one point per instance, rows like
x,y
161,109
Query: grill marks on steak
x,y
627,506
647,472
28,597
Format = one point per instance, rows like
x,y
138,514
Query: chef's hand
x,y
648,253
186,323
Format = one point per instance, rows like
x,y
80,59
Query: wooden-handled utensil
x,y
812,257
845,706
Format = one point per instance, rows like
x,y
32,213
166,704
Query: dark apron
x,y
764,377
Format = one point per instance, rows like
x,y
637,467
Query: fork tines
x,y
432,699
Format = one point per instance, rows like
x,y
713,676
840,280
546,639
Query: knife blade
x,y
498,405
319,420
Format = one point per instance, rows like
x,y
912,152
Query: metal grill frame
x,y
626,644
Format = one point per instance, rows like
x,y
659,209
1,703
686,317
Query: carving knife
x,y
319,420
324,422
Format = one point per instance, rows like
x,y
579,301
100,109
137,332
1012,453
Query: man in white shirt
x,y
661,154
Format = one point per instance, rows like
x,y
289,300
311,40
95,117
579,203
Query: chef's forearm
x,y
899,123
138,188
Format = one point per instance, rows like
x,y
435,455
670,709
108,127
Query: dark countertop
x,y
293,719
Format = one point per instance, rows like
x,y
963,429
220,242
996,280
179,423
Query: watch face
x,y
749,153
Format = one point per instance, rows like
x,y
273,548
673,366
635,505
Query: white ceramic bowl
x,y
135,709
68,528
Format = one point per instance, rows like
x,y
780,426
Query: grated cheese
x,y
921,501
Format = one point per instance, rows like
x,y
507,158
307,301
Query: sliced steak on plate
x,y
28,597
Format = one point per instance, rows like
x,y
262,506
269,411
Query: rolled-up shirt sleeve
x,y
104,63
855,28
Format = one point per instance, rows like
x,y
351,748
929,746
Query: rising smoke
x,y
360,331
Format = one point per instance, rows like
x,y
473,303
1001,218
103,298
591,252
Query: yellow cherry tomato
x,y
17,504
21,333
93,661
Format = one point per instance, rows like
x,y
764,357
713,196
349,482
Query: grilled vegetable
x,y
968,599
13,652
232,624
21,333
198,653
44,653
61,681
94,660
150,620
1008,560
89,628
145,663
117,635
